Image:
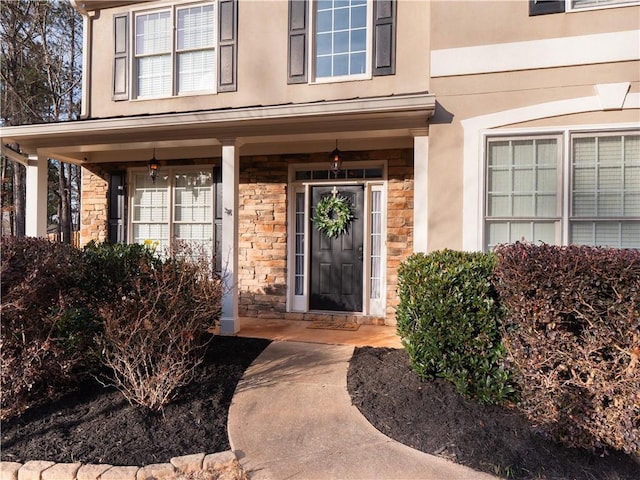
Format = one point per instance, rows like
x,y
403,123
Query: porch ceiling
x,y
280,127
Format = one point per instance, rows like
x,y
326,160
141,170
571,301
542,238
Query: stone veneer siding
x,y
400,196
262,245
94,216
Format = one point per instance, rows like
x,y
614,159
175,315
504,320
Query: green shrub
x,y
573,332
110,268
449,322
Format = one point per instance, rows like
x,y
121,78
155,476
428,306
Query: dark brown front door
x,y
336,263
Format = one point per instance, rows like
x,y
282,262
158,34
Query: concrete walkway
x,y
292,418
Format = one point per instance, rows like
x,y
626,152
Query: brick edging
x,y
44,470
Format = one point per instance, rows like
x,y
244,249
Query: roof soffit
x,y
85,6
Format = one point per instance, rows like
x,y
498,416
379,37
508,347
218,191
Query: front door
x,y
336,263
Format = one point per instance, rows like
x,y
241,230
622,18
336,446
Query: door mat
x,y
333,325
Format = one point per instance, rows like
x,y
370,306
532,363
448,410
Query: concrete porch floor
x,y
298,331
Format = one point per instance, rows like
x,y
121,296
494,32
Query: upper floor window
x,y
337,40
165,66
581,4
178,50
543,7
526,197
341,38
193,55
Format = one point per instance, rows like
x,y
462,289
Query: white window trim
x,y
569,8
377,306
473,150
170,173
300,303
173,8
311,54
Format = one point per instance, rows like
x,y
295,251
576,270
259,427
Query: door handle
x,y
359,253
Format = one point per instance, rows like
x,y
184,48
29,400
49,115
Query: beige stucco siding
x,y
504,91
466,97
262,65
491,22
445,186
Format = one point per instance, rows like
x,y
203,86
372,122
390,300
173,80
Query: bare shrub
x,y
155,334
46,328
573,332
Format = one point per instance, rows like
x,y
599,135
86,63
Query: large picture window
x,y
525,198
522,190
605,195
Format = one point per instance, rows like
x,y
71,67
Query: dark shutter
x,y
117,207
384,37
543,7
121,57
217,241
228,45
298,35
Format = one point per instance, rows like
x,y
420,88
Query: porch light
x,y
336,161
154,167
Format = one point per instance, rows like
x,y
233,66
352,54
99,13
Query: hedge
x,y
573,334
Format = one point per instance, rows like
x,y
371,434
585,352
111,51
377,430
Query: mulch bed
x,y
97,425
432,417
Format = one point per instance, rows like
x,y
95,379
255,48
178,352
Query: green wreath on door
x,y
333,215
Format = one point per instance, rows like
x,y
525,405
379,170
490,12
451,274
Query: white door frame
x,y
299,301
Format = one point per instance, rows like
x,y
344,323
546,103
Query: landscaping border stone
x,y
45,470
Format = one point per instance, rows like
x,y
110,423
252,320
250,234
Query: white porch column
x,y
230,323
420,189
36,204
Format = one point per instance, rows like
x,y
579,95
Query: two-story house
x,y
443,124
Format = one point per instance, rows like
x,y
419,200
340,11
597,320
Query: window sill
x,y
181,95
341,79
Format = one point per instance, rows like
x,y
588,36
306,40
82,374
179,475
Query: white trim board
x,y
546,53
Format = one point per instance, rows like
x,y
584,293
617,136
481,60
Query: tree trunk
x,y
6,202
19,199
65,205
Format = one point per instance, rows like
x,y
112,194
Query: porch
x,y
300,331
266,157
